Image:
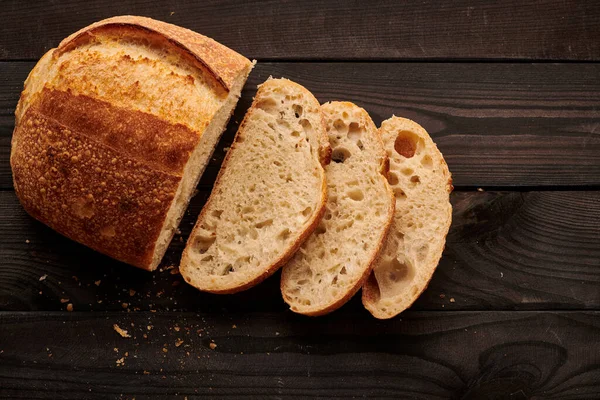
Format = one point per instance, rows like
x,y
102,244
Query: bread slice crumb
x,y
121,332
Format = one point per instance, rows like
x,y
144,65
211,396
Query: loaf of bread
x,y
422,184
114,129
269,196
331,266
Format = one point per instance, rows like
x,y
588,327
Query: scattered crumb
x,y
171,13
97,283
501,275
69,307
64,300
146,372
480,190
442,296
212,345
165,350
145,336
178,342
177,329
124,305
226,149
174,271
40,292
121,361
76,279
131,292
120,331
116,349
43,277
27,241
149,327
276,333
234,326
99,301
159,294
452,300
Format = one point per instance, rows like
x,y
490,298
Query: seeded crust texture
x,y
422,184
269,196
331,266
114,129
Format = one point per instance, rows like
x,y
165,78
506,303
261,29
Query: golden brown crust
x,y
223,63
88,191
324,157
110,156
141,136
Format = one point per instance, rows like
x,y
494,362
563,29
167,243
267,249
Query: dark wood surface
x,y
513,311
423,355
334,29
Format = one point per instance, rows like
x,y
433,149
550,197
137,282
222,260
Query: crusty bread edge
x,y
238,65
224,75
324,158
385,166
365,293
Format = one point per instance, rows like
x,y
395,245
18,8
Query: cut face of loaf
x,y
422,184
114,129
333,263
268,197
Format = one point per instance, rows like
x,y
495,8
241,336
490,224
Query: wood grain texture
x,y
514,355
505,251
334,29
502,125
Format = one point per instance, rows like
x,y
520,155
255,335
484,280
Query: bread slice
x,y
333,263
422,184
269,196
114,129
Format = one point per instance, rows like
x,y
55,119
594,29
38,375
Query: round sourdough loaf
x,y
114,129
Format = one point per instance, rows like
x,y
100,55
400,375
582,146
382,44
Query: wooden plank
x,y
497,125
335,29
432,355
505,251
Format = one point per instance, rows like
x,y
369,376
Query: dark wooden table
x,y
509,91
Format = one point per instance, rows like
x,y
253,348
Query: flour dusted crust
x,y
114,128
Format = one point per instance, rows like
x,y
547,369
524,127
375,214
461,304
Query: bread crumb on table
x,y
64,300
120,331
212,345
178,342
69,307
131,292
452,300
97,283
43,277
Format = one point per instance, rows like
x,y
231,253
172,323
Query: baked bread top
x,y
106,124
